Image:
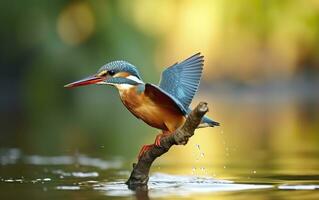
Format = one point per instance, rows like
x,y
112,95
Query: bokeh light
x,y
76,23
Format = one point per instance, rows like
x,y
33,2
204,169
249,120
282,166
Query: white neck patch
x,y
123,87
134,78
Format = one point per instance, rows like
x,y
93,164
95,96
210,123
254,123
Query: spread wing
x,y
159,95
181,80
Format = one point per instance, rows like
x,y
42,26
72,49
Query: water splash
x,y
199,154
193,170
162,185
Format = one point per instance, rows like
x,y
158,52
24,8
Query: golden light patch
x,y
122,74
76,23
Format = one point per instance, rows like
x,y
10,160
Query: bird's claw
x,y
144,149
159,137
157,143
158,140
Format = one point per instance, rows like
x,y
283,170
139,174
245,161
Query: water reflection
x,y
50,174
267,147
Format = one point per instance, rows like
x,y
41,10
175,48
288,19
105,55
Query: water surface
x,y
84,177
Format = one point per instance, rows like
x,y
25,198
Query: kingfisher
x,y
164,106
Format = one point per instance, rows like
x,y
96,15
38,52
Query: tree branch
x,y
139,176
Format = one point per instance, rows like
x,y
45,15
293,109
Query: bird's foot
x,y
157,143
159,137
144,149
158,140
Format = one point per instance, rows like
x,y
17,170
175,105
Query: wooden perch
x,y
139,176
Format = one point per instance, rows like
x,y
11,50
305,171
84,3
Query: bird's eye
x,y
111,72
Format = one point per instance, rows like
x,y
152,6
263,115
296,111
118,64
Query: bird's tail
x,y
206,122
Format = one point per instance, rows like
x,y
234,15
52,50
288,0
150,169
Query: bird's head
x,y
116,73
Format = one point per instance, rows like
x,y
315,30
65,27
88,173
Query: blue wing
x,y
163,96
159,94
181,80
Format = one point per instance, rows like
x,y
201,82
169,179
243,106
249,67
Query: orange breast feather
x,y
153,109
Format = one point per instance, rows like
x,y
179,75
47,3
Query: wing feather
x,y
181,80
158,94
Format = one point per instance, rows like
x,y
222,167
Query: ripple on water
x,y
160,184
13,156
68,187
164,185
76,174
298,187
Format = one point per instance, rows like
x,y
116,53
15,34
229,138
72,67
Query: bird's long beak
x,y
86,81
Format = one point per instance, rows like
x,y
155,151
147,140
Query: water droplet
x,y
254,172
202,154
193,170
198,147
224,167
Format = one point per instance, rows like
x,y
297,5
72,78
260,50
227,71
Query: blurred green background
x,y
261,74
